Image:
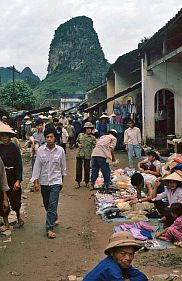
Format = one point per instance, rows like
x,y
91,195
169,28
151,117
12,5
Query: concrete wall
x,y
120,83
110,93
167,75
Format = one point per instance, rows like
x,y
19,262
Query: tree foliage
x,y
18,95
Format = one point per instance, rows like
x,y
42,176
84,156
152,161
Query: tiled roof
x,y
169,25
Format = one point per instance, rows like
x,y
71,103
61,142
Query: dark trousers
x,y
64,147
99,163
80,162
71,141
15,199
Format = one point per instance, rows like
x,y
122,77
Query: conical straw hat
x,y
6,129
174,177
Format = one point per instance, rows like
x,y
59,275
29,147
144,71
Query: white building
x,y
66,103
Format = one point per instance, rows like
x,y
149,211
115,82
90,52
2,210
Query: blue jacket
x,y
102,128
109,270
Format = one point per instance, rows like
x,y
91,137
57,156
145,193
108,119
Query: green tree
x,y
18,95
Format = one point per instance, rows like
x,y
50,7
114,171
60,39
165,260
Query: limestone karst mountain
x,y
76,60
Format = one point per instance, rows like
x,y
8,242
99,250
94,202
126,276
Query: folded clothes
x,y
144,225
136,234
146,233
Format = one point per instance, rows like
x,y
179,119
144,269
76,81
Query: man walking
x,y
49,170
132,140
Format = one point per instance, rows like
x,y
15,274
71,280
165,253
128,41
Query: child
x,y
174,232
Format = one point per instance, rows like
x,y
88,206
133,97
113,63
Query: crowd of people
x,y
47,139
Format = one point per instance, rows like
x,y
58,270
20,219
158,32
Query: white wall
x,y
167,75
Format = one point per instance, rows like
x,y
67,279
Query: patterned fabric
x,y
174,232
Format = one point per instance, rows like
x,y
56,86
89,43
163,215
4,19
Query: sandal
x,y
21,223
51,234
56,223
78,186
4,228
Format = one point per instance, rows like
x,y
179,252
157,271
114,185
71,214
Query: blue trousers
x,y
134,152
50,195
99,163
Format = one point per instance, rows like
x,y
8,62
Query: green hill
x,y
76,61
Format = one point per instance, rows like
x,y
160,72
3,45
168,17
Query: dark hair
x,y
113,133
176,208
137,179
131,121
153,154
38,122
50,130
55,119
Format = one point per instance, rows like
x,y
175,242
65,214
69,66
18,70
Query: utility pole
x,y
13,94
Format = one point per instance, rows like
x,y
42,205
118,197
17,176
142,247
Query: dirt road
x,y
81,238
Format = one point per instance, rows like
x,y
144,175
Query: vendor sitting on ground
x,y
150,165
173,192
117,265
174,232
146,183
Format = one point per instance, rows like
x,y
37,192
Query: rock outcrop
x,y
76,59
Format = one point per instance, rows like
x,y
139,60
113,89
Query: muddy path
x,y
81,238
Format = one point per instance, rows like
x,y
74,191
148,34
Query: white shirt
x,y
132,136
104,146
64,137
173,196
50,165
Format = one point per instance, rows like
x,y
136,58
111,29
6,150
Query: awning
x,y
76,106
34,111
120,94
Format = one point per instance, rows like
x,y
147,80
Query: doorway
x,y
164,113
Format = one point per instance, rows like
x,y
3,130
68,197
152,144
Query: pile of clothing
x,y
112,203
140,230
145,232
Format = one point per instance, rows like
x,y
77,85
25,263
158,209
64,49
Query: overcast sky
x,y
27,27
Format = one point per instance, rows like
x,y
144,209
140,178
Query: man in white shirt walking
x,y
49,170
132,140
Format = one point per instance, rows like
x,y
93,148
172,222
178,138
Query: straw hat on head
x,y
26,117
113,115
113,132
4,117
103,116
122,239
173,177
28,122
6,129
88,125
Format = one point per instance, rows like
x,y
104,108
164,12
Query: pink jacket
x,y
174,232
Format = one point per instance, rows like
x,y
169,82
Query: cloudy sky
x,y
27,27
